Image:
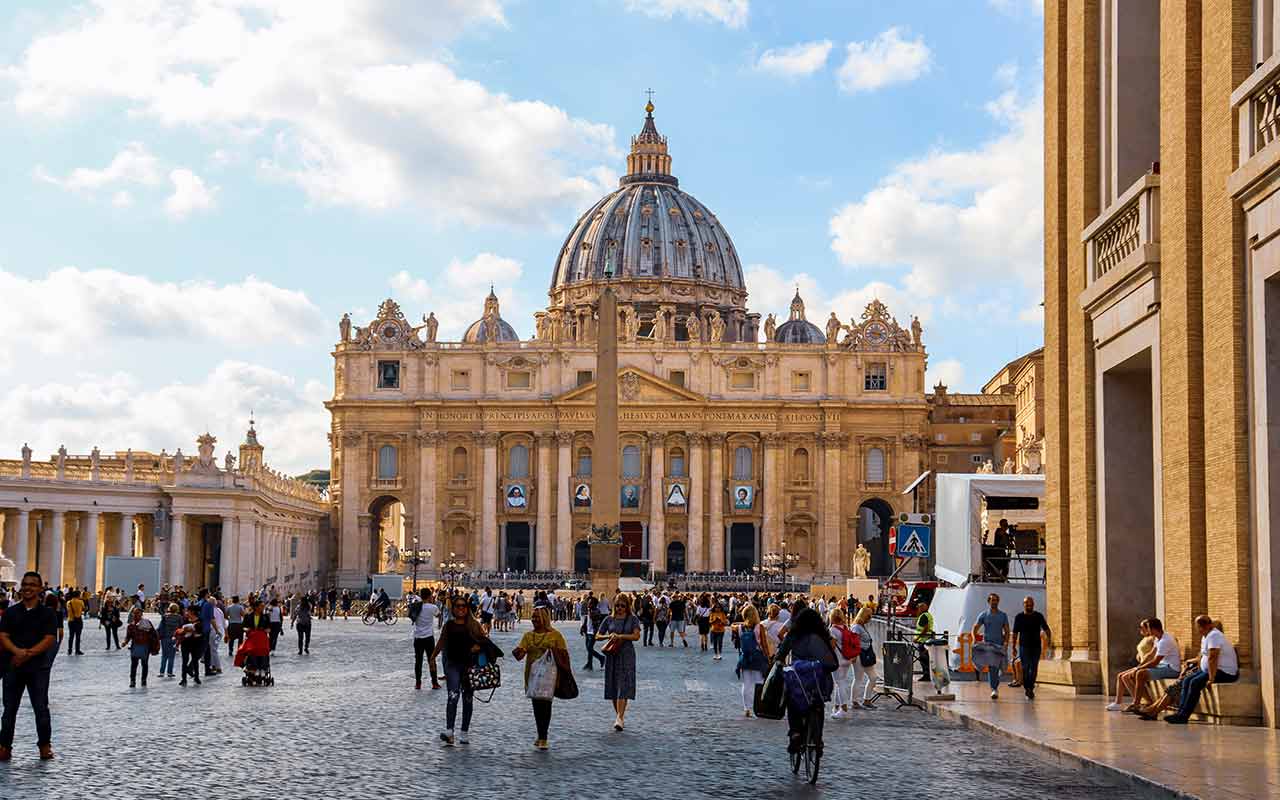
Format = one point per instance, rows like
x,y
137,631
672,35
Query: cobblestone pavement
x,y
345,721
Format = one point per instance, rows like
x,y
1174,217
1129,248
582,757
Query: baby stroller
x,y
254,655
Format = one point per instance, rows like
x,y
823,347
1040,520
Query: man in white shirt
x,y
1163,664
486,607
423,614
1218,664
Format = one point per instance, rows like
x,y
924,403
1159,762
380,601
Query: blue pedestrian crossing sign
x,y
914,541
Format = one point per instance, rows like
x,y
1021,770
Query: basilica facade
x,y
741,436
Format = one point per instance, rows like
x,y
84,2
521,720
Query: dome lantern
x,y
797,329
648,160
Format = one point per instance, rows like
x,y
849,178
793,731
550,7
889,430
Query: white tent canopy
x,y
958,527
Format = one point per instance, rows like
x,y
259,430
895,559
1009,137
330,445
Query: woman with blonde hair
x,y
864,673
619,630
847,645
753,655
536,644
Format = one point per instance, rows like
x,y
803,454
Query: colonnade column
x,y
428,521
657,504
87,570
772,494
542,552
350,534
69,550
246,561
178,550
228,562
121,539
22,542
717,502
57,536
564,516
831,502
696,560
489,502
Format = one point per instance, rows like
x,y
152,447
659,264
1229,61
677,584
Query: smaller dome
x,y
480,330
797,329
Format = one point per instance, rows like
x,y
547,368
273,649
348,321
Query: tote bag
x,y
542,678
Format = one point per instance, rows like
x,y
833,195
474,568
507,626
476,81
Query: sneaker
x,y
1115,707
995,695
1015,684
543,745
6,754
417,685
746,712
46,752
837,714
133,685
447,738
1172,719
462,738
435,685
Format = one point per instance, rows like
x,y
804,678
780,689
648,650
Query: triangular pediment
x,y
635,387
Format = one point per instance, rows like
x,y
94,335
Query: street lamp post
x,y
452,569
780,562
418,559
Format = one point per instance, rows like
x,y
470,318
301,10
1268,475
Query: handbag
x,y
867,656
542,678
566,685
611,647
770,698
484,675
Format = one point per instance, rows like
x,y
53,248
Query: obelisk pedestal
x,y
605,567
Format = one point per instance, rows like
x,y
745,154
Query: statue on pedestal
x,y
861,561
694,327
770,327
432,325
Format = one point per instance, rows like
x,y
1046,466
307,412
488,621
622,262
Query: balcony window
x,y
875,465
631,461
584,461
677,463
388,468
742,464
518,461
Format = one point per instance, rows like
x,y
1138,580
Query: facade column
x,y
564,514
21,542
830,558
542,551
70,551
57,536
716,503
123,544
772,522
695,560
489,502
428,521
228,563
88,550
657,504
246,565
351,570
178,551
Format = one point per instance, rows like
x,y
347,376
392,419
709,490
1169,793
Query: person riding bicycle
x,y
381,603
808,640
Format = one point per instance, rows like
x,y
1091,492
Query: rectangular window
x,y
388,374
742,380
518,380
976,458
293,547
585,376
461,380
975,437
939,437
876,378
943,458
677,377
800,381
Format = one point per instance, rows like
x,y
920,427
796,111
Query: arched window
x,y
518,461
742,464
631,461
458,543
459,466
388,468
875,465
584,461
677,463
800,465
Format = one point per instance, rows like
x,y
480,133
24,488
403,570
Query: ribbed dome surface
x,y
799,331
476,332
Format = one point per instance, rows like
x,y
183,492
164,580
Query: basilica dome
x,y
797,329
491,326
649,229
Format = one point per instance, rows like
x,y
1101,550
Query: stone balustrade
x,y
1257,104
1130,224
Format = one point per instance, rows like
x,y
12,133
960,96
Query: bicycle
x,y
386,616
809,752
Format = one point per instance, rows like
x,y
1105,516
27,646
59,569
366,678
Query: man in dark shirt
x,y
27,630
1026,643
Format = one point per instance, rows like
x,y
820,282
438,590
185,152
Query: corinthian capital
x,y
564,438
657,438
352,439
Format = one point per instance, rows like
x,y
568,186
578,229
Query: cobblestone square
x,y
345,721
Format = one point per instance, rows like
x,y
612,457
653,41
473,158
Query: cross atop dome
x,y
648,161
797,306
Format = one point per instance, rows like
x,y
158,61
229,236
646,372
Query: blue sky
x,y
196,190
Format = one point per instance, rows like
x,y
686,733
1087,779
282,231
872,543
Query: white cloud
x,y
949,372
884,60
115,311
132,165
958,222
732,13
456,294
337,98
770,291
190,194
797,60
118,411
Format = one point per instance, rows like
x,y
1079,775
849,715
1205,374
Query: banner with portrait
x,y
677,497
517,497
630,496
582,495
743,496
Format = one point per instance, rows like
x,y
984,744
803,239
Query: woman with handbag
x,y
753,655
548,658
619,630
461,639
143,642
864,667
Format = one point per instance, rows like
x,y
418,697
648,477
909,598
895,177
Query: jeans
x,y
133,668
592,654
74,628
1194,684
453,676
166,656
113,632
662,634
542,716
648,634
235,635
35,682
864,677
1030,658
304,637
922,653
276,627
993,678
191,659
717,642
424,647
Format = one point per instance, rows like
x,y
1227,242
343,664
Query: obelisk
x,y
606,499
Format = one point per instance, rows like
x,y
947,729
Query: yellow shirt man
x,y
75,609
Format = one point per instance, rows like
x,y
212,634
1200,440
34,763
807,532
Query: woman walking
x,y
864,673
646,619
703,618
662,618
847,645
620,629
301,622
191,641
717,621
169,624
461,640
536,644
141,639
753,656
110,619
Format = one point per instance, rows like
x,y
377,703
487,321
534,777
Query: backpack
x,y
803,688
850,643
